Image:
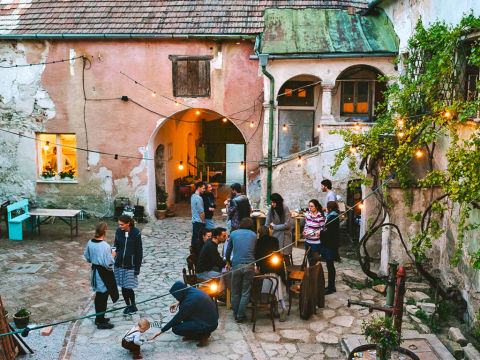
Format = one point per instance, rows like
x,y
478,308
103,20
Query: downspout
x,y
263,63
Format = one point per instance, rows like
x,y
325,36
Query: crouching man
x,y
196,318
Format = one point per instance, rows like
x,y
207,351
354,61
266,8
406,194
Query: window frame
x,y
300,85
370,100
280,130
58,145
175,59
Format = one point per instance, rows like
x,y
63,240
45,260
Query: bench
x,y
15,231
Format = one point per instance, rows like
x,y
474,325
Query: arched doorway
x,y
193,145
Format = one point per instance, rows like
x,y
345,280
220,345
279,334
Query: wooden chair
x,y
311,291
260,299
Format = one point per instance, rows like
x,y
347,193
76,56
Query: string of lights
x,y
42,63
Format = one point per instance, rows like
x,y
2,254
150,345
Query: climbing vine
x,y
427,117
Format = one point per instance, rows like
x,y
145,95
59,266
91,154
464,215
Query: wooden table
x,y
297,219
66,215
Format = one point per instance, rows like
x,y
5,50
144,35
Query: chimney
x,y
351,10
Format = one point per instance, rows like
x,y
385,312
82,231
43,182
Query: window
x,y
298,135
292,97
355,97
191,75
57,153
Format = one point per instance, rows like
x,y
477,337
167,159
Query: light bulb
x,y
252,124
197,112
180,166
299,160
213,286
284,127
357,127
400,134
46,146
447,114
224,119
318,128
275,259
419,153
242,165
353,149
176,103
154,93
361,205
400,122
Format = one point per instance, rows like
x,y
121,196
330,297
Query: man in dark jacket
x,y
239,207
197,316
210,263
209,206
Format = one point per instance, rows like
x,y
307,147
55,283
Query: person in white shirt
x,y
327,187
132,341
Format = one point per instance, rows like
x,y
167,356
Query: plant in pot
x,y
129,210
67,175
48,174
162,197
21,318
381,332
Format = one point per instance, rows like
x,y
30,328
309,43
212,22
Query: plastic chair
x,y
260,299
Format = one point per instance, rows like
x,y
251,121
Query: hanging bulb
x,y
400,123
318,128
284,127
154,93
400,134
353,149
197,112
275,260
224,119
357,127
242,165
180,166
177,103
46,146
213,287
252,124
299,160
419,153
447,114
361,205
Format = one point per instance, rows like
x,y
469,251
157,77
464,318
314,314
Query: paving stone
x,y
416,286
318,325
417,295
295,334
345,321
273,337
311,348
456,335
291,348
327,338
411,309
380,288
352,277
470,352
428,308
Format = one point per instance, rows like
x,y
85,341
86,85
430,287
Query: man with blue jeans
x,y
198,212
242,242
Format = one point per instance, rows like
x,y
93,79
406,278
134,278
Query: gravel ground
x,y
45,347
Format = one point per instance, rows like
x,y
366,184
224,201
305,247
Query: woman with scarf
x,y
330,241
100,255
280,221
128,243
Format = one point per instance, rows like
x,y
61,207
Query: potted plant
x,y
67,175
48,174
381,332
21,318
162,197
128,210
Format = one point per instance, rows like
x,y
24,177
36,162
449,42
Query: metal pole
x,y
263,63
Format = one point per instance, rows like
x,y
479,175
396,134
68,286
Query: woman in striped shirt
x,y
314,224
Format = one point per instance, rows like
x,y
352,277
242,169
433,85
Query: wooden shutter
x,y
191,76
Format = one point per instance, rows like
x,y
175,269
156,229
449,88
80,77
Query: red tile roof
x,y
202,17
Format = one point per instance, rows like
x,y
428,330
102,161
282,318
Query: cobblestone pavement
x,y
165,249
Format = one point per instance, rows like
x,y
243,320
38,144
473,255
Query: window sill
x,y
57,181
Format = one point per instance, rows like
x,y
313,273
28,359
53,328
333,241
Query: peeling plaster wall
x,y
50,99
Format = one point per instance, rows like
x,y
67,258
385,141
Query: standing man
x,y
238,208
198,212
242,242
209,206
327,187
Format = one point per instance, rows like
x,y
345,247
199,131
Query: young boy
x,y
131,341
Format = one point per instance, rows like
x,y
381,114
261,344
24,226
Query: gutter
x,y
263,63
122,36
327,56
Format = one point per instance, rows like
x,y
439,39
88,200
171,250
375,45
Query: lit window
x,y
57,154
355,97
296,93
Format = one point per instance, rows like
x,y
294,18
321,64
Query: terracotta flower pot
x,y
160,214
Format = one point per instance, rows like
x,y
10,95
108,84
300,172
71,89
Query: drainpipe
x,y
263,58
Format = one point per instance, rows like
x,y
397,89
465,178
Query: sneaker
x,y
138,357
283,315
203,341
102,321
126,310
104,326
133,309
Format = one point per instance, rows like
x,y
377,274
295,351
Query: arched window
x,y
361,92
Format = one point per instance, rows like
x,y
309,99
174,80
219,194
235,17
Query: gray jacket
x,y
281,230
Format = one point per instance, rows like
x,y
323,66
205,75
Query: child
x,y
131,341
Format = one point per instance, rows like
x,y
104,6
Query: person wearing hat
x,y
238,207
